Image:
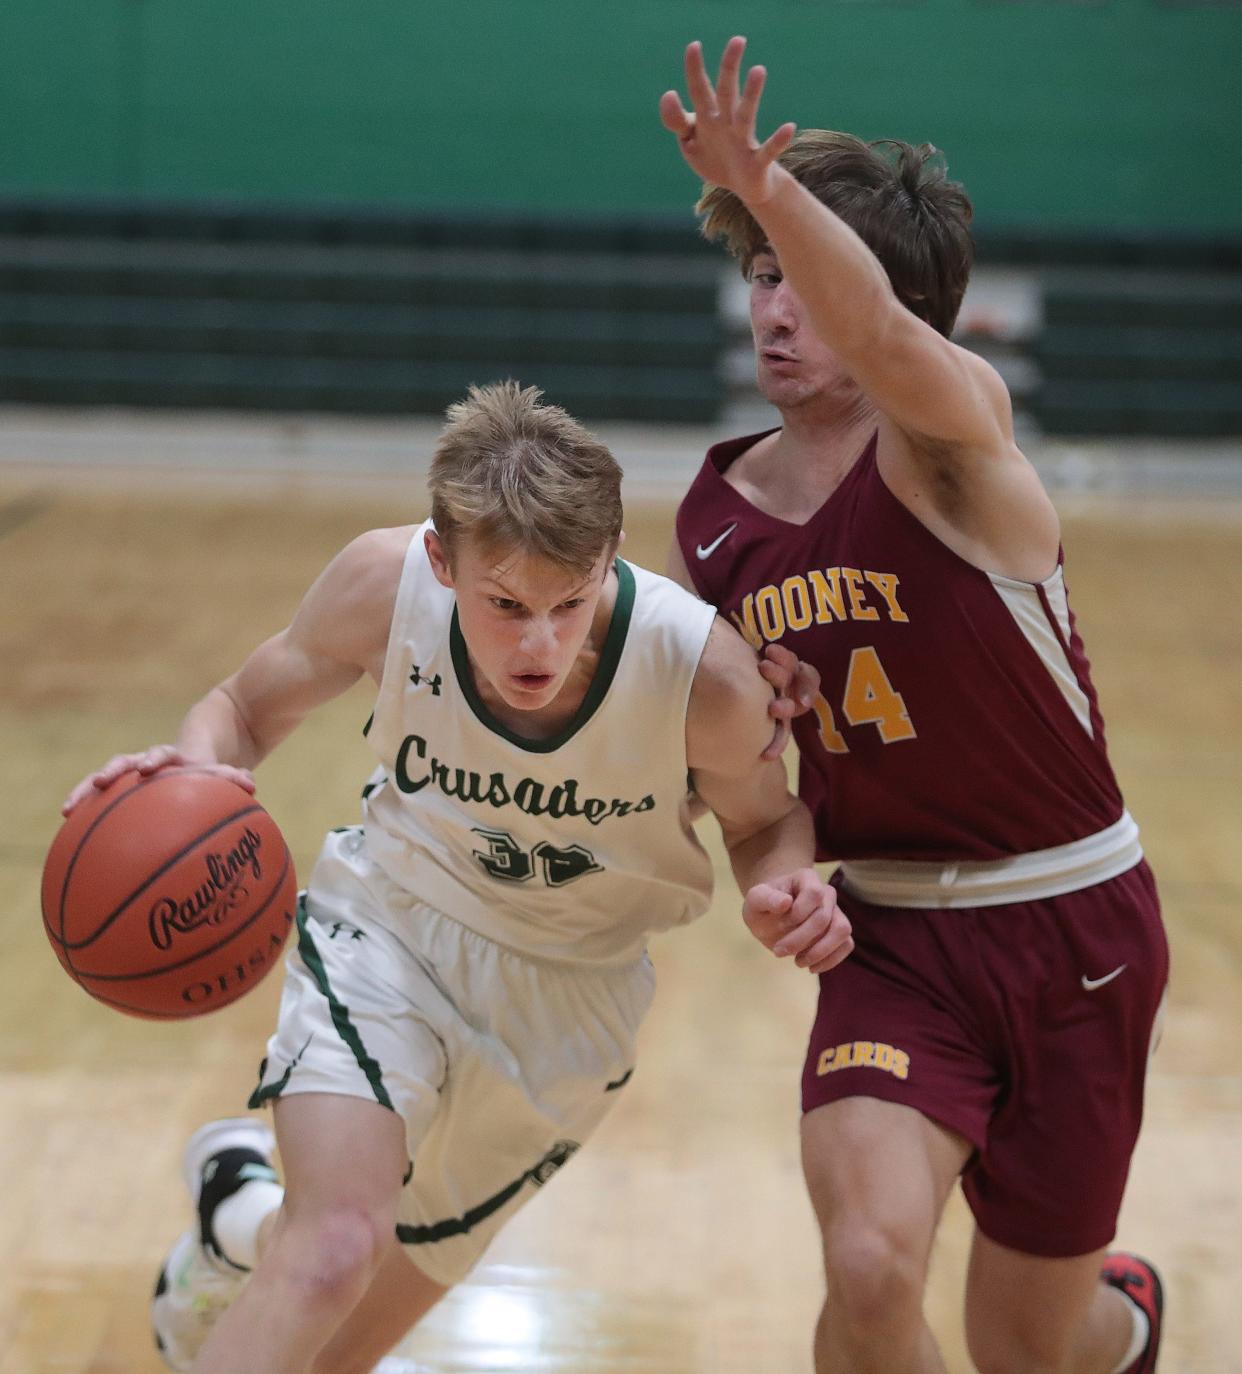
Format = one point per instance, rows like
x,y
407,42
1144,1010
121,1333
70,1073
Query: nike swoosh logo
x,y
706,551
1090,984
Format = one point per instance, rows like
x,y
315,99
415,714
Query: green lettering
x,y
400,771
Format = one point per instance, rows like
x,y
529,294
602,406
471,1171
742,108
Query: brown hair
x,y
515,473
897,198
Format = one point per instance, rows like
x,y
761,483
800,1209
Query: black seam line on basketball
x,y
202,953
95,823
112,805
458,1226
175,858
159,873
345,1028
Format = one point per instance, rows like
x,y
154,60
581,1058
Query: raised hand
x,y
147,762
718,138
798,915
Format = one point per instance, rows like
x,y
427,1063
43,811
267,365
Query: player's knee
x,y
331,1257
875,1278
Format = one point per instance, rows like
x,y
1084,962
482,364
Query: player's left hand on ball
x,y
798,915
796,684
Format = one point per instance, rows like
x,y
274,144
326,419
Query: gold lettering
x,y
771,617
859,609
886,585
797,601
829,598
746,623
860,1054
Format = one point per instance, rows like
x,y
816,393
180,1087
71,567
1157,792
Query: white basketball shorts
x,y
500,1065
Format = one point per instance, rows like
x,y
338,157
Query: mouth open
x,y
532,682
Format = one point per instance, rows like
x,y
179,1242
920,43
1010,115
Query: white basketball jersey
x,y
569,848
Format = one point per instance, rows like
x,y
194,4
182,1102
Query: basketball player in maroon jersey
x,y
996,1018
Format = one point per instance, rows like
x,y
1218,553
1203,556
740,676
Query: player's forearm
x,y
836,276
782,846
214,731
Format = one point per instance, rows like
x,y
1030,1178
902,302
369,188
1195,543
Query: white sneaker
x,y
195,1285
192,1291
231,1133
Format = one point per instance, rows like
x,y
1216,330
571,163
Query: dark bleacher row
x,y
362,313
381,313
1141,353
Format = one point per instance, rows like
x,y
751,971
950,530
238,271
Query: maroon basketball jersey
x,y
956,720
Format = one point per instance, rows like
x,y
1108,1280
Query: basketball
x,y
170,895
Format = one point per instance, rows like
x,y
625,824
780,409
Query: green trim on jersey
x,y
261,1094
345,1028
560,1154
610,657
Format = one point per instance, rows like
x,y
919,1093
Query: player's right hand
x,y
796,685
717,135
798,915
147,762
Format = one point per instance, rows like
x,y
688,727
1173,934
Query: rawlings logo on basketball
x,y
212,900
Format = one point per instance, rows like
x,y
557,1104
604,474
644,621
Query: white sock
x,y
1138,1340
236,1220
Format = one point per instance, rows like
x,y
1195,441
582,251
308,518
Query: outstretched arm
x,y
951,404
767,831
338,631
911,372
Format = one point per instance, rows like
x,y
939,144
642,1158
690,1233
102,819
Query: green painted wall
x,y
1122,113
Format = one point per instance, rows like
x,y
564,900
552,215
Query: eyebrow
x,y
509,595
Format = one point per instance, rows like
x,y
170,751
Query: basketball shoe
x,y
197,1280
1138,1280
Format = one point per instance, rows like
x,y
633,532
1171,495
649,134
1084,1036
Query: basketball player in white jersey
x,y
462,1006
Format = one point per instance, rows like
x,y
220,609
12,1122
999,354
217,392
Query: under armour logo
x,y
338,926
417,678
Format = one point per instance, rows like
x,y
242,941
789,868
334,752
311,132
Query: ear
x,y
438,557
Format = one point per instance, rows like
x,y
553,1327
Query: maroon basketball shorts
x,y
1026,1028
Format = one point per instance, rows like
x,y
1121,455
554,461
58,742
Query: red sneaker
x,y
1139,1281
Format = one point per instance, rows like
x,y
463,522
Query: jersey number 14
x,y
870,699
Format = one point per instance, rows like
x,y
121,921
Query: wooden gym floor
x,y
679,1243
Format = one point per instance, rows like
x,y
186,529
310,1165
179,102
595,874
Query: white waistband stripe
x,y
1022,878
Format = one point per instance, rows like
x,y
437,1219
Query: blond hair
x,y
515,473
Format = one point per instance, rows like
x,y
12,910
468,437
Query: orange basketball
x,y
168,896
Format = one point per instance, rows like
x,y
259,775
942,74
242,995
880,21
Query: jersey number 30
x,y
870,699
506,859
